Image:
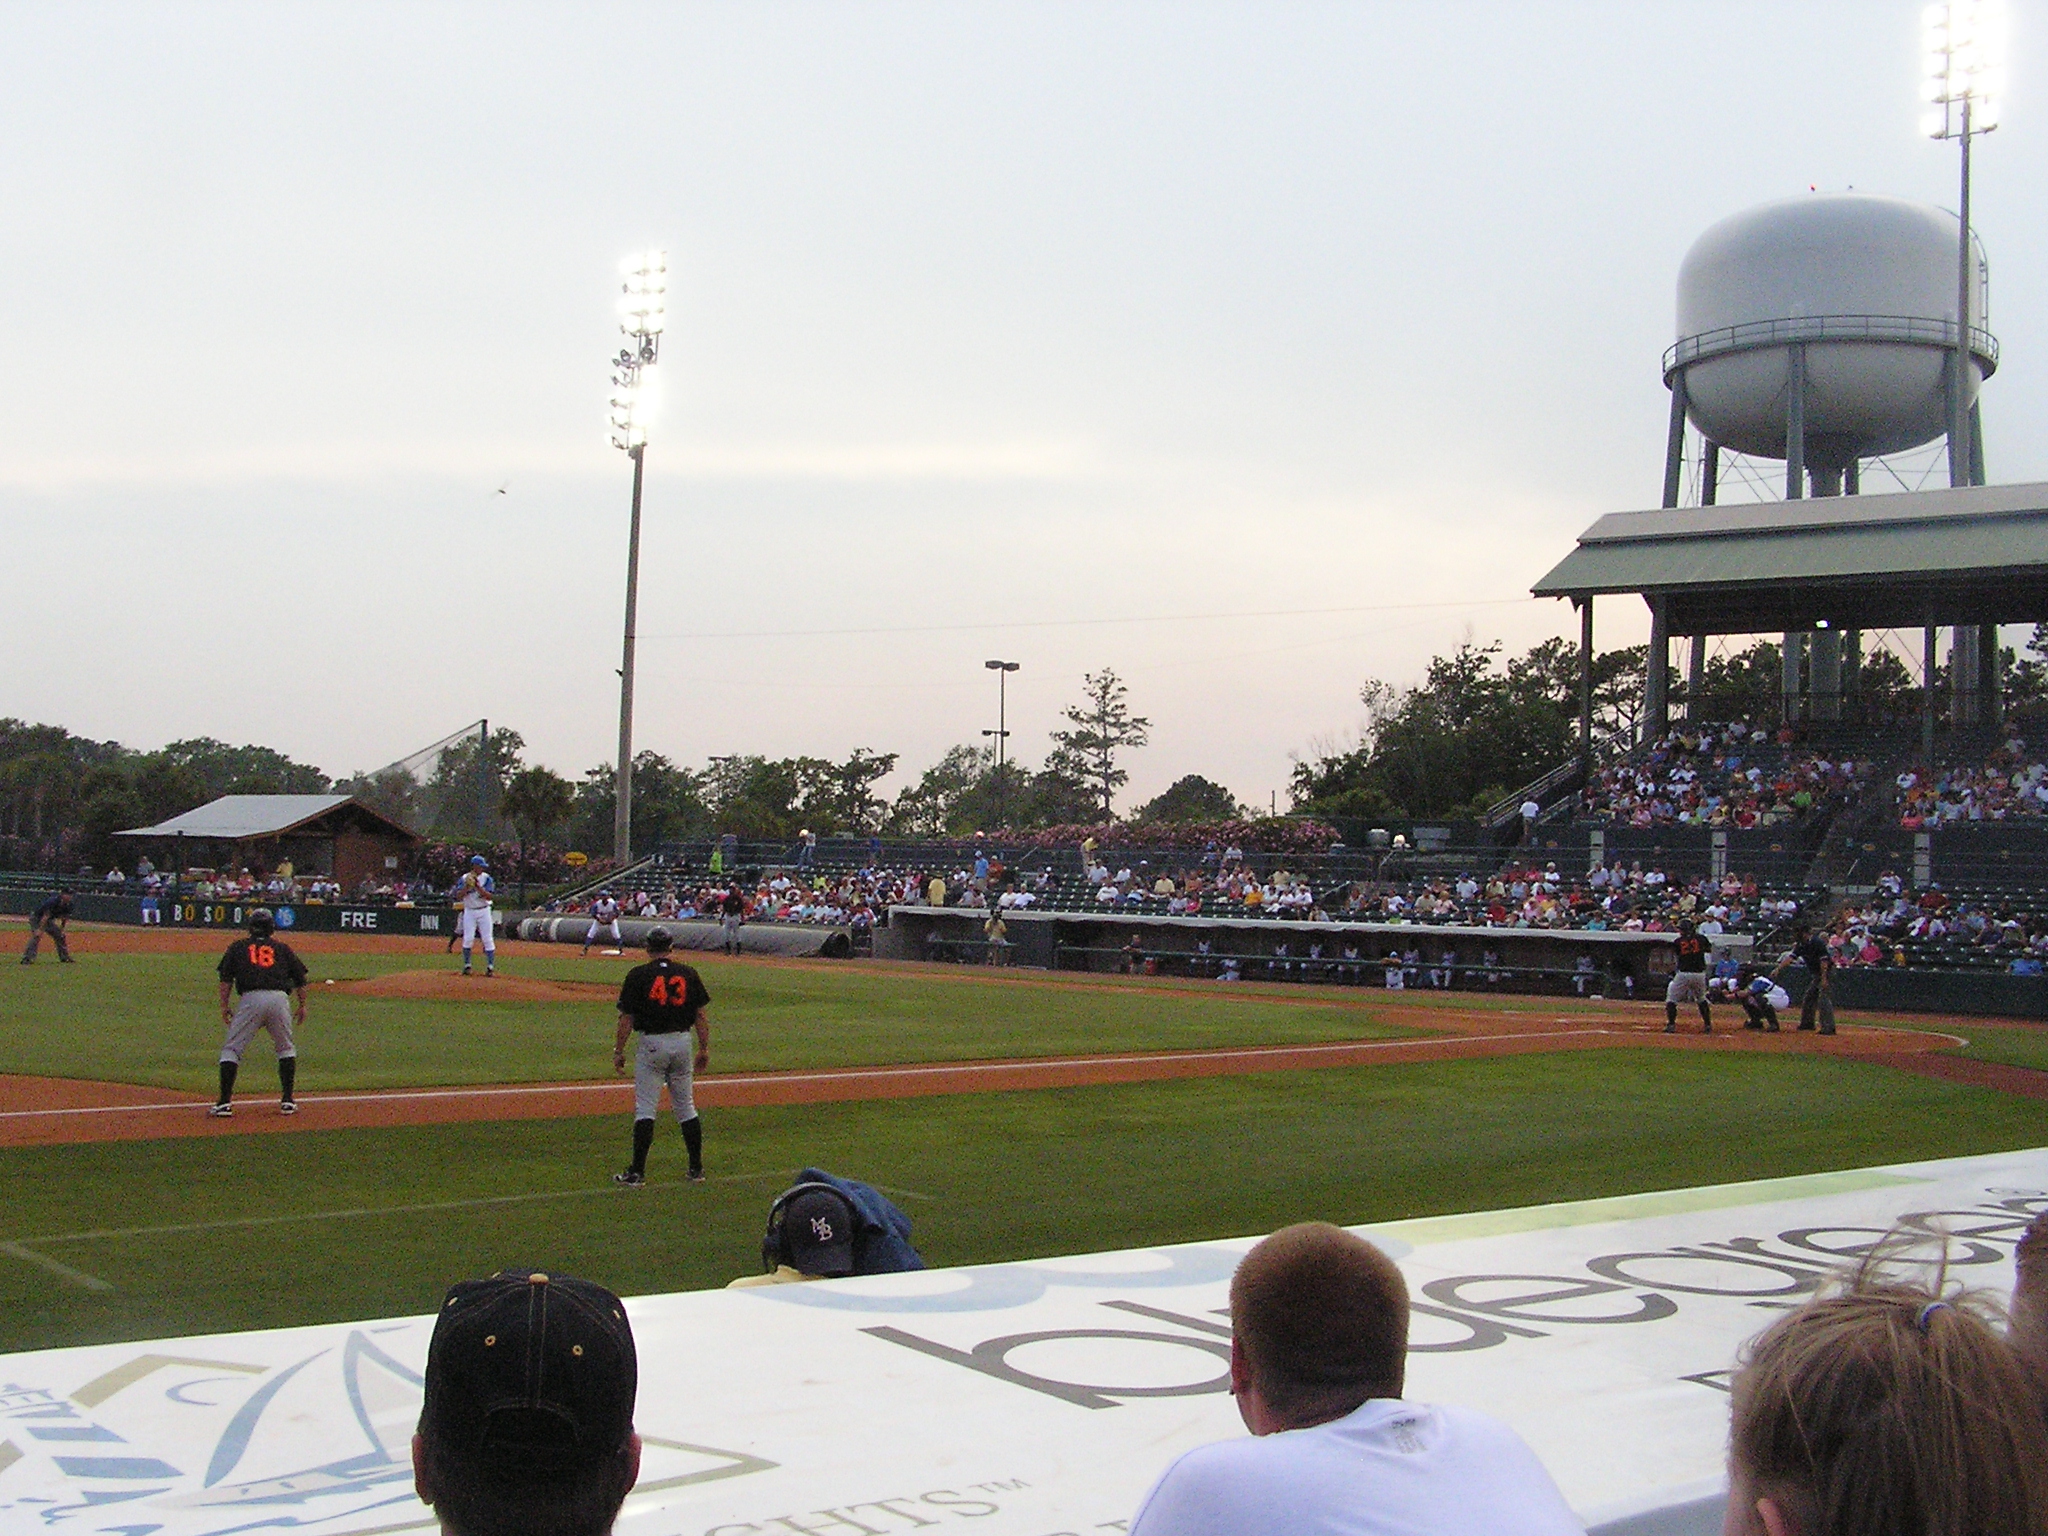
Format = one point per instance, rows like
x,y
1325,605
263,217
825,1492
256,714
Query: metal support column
x,y
1695,675
1977,443
1586,683
1965,691
1824,675
1674,447
1927,643
1710,473
1852,478
1990,676
1791,678
622,806
1657,675
1795,423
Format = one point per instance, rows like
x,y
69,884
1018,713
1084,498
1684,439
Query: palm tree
x,y
536,801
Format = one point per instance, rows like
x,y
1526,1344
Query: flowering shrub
x,y
441,864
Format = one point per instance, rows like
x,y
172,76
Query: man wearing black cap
x,y
810,1237
50,920
527,1427
272,983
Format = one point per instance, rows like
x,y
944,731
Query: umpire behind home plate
x,y
527,1426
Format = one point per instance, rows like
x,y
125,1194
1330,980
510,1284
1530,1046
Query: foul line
x,y
851,1074
16,1248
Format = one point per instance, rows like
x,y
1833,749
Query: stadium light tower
x,y
1002,670
1964,54
643,312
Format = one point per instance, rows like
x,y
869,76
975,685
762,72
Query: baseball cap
x,y
531,1370
817,1231
478,860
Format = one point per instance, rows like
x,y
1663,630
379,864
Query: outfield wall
x,y
89,906
1021,1399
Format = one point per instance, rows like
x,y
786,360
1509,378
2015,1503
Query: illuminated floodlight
x,y
643,295
1963,78
635,402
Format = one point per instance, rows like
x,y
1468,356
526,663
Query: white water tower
x,y
1823,331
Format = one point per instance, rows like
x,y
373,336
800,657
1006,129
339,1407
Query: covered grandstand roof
x,y
238,818
1973,555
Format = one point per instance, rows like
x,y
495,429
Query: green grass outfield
x,y
205,1235
202,1235
155,1019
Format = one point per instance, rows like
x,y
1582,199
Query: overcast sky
x,y
1251,350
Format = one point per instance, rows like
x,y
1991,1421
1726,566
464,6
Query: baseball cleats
x,y
695,1175
465,970
221,1111
288,1107
630,1179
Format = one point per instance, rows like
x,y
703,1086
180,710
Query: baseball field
x,y
452,1126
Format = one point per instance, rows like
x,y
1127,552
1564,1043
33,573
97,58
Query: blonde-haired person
x,y
1891,1410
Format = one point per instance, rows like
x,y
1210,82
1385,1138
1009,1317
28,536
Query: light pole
x,y
1002,670
1964,47
642,314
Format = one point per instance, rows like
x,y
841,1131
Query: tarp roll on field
x,y
755,938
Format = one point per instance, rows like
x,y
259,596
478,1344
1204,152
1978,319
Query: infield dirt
x,y
43,1110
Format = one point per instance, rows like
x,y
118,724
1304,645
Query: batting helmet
x,y
261,923
658,941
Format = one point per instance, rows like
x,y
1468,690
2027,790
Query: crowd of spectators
x,y
1620,898
1735,775
281,886
1899,926
2012,782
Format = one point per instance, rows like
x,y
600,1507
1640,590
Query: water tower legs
x,y
1795,423
1674,445
1710,473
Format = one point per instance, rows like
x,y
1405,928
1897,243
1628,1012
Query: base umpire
x,y
663,1002
272,981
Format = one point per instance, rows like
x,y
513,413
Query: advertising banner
x,y
1025,1399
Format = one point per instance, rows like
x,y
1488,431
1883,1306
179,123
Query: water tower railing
x,y
1755,334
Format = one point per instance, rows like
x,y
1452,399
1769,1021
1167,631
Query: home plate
x,y
1019,1399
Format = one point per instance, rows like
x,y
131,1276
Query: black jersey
x,y
662,996
57,907
262,965
1812,952
1692,952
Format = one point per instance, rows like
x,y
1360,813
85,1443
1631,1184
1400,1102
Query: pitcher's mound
x,y
439,986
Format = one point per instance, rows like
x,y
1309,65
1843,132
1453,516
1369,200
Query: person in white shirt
x,y
1318,1359
477,888
604,921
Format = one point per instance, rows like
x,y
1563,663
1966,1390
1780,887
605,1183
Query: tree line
x,y
1476,727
